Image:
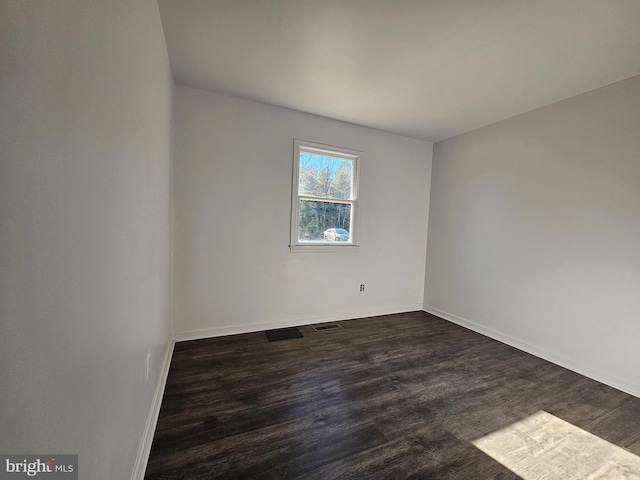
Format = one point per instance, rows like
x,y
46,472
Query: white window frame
x,y
337,152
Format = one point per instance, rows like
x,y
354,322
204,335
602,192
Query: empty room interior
x,y
302,239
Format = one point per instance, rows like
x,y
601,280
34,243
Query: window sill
x,y
322,247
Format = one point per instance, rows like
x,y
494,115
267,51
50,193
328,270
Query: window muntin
x,y
325,195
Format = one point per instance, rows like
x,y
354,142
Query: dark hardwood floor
x,y
398,396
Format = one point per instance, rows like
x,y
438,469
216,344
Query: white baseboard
x,y
257,327
586,370
144,449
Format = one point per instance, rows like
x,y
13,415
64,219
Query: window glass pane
x,y
325,176
324,221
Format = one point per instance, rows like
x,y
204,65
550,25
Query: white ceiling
x,y
429,69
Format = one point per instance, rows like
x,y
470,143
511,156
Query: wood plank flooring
x,y
398,396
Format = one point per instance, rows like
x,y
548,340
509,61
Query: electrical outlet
x,y
148,367
362,287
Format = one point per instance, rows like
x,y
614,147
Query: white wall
x,y
85,220
233,270
534,232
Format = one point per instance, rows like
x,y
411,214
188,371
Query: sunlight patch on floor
x,y
543,446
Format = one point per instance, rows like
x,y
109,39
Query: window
x,y
324,197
